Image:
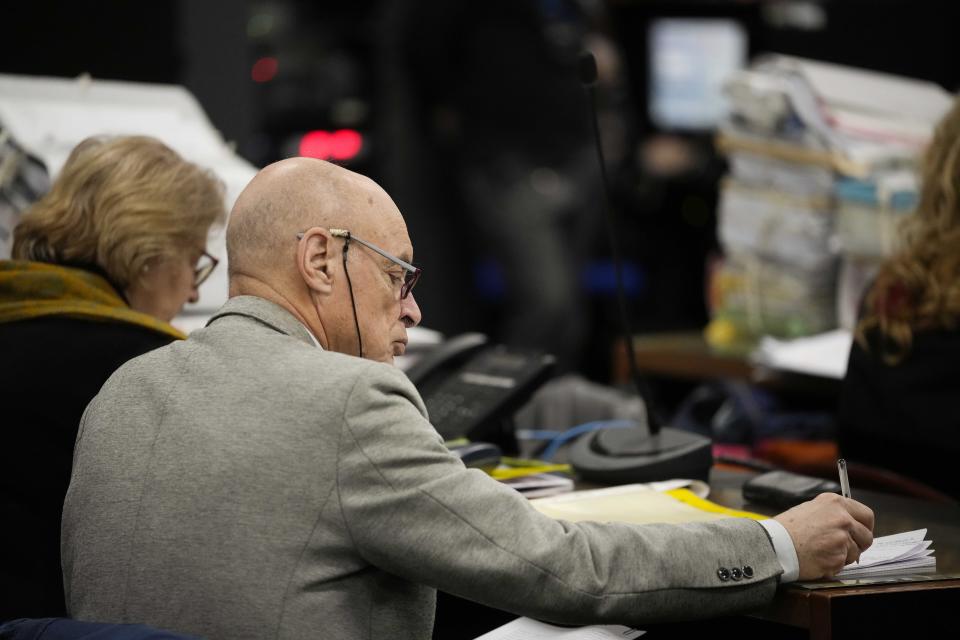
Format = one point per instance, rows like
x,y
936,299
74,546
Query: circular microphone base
x,y
618,456
634,442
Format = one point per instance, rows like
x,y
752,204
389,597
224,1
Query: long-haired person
x,y
101,264
900,404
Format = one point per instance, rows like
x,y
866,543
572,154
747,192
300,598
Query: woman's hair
x,y
919,287
121,203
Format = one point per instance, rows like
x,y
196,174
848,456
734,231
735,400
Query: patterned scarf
x,y
36,289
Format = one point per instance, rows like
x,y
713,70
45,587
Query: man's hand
x,y
829,533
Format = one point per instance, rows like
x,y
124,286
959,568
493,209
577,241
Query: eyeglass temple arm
x,y
343,233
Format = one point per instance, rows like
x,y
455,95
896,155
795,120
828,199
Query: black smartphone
x,y
785,489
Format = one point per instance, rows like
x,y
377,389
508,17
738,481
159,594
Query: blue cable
x,y
537,434
558,440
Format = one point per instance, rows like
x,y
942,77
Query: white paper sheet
x,y
527,629
824,354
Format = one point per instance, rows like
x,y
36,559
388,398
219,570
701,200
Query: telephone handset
x,y
471,386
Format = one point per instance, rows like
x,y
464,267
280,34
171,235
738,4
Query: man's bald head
x,y
293,195
351,305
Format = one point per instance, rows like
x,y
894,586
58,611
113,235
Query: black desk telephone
x,y
471,388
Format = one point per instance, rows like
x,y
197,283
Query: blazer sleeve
x,y
414,510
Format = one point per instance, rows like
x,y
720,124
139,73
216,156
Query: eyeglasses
x,y
411,273
205,266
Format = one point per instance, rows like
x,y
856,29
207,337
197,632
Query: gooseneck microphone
x,y
631,455
588,78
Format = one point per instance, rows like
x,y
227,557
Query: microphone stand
x,y
630,455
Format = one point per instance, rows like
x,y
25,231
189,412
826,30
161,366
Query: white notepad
x,y
900,553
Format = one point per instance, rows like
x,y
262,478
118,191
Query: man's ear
x,y
314,259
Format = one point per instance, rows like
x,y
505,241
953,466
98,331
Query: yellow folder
x,y
636,504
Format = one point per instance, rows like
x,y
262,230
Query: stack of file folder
x,y
870,214
823,165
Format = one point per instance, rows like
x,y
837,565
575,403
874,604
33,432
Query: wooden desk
x,y
907,609
684,355
687,356
870,610
866,611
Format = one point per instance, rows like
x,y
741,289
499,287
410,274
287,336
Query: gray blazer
x,y
246,484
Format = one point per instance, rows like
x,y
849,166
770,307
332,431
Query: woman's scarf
x,y
36,289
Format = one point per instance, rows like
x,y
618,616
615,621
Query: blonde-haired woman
x,y
101,264
900,401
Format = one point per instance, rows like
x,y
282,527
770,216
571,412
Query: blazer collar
x,y
265,312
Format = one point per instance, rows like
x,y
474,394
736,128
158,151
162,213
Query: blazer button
x,y
723,573
735,574
747,571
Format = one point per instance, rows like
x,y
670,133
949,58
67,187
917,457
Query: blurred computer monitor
x,y
689,59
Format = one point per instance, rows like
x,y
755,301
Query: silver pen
x,y
844,481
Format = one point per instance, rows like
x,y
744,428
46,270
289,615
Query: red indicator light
x,y
264,69
344,144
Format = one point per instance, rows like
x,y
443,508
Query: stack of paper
x,y
761,297
870,213
775,219
533,478
539,485
901,553
822,158
864,119
527,629
789,231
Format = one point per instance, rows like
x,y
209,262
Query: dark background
x,y
333,62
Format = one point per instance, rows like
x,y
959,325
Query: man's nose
x,y
194,295
410,311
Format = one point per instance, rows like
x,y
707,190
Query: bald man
x,y
261,480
